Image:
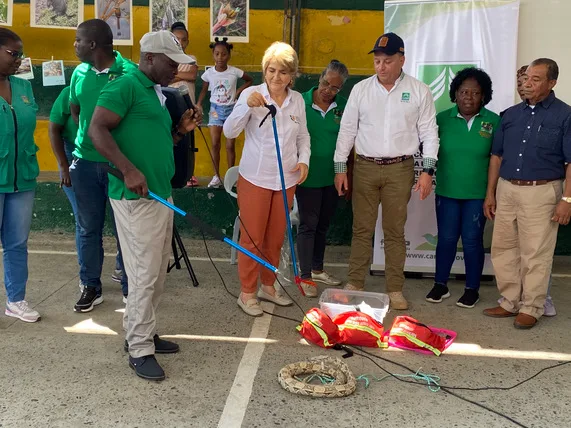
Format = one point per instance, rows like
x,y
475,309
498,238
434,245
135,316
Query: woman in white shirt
x,y
260,200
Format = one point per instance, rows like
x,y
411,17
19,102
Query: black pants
x,y
316,207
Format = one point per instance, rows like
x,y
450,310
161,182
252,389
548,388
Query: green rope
x,y
324,379
431,380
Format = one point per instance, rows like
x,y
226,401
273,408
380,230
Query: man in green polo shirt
x,y
317,197
466,132
100,65
132,128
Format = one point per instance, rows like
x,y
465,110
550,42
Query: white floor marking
x,y
239,396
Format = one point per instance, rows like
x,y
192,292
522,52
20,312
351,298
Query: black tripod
x,y
177,241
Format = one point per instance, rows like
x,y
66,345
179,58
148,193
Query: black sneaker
x,y
147,367
89,298
161,346
438,293
469,298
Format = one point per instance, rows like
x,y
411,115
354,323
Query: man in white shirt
x,y
387,117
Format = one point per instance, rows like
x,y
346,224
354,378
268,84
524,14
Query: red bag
x,y
408,333
359,329
318,328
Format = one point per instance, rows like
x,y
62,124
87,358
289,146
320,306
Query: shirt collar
x,y
115,67
546,103
454,112
266,93
145,81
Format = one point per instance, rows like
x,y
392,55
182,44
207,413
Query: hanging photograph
x,y
66,14
164,13
230,18
53,73
25,71
119,15
6,8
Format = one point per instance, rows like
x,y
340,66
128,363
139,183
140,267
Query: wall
x,y
325,34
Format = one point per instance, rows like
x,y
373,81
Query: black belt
x,y
386,161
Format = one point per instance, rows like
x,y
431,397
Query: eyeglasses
x,y
326,85
15,54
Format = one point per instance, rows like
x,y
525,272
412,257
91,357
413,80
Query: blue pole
x,y
286,206
227,240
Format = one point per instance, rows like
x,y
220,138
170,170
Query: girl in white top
x,y
186,74
260,200
222,81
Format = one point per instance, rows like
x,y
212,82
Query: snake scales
x,y
344,384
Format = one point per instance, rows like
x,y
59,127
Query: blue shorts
x,y
218,114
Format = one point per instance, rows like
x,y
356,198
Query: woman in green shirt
x,y
466,132
317,197
18,171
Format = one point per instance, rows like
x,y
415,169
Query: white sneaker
x,y
251,307
22,311
549,308
125,299
325,278
309,288
215,182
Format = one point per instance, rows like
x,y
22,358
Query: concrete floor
x,y
69,370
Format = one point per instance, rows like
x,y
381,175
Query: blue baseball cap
x,y
389,43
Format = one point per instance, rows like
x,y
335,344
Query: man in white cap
x,y
132,128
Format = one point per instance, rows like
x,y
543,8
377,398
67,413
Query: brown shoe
x,y
524,321
398,302
498,312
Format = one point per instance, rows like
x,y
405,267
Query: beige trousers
x,y
145,232
523,244
389,185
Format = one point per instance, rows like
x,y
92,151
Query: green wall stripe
x,y
279,5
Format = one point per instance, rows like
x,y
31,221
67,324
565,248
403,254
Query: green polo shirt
x,y
86,84
143,135
464,154
61,115
323,132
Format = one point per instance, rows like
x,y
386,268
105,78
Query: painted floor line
x,y
239,396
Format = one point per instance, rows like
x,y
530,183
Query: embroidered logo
x,y
405,98
112,77
337,115
294,118
25,99
486,130
383,42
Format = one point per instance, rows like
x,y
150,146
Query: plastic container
x,y
334,301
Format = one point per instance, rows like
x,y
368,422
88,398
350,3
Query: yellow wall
x,y
344,35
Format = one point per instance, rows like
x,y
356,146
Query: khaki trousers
x,y
389,185
523,244
145,230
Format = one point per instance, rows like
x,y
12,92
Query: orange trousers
x,y
262,229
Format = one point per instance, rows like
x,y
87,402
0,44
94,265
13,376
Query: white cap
x,y
166,43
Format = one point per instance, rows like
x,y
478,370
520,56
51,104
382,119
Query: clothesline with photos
x,y
228,18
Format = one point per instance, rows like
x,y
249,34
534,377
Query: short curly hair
x,y
479,76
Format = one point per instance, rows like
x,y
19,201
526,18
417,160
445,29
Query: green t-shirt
x,y
61,115
143,135
464,154
323,132
86,84
18,162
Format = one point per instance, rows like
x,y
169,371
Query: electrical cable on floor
x,y
420,378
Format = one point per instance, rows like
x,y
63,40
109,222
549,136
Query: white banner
x,y
441,38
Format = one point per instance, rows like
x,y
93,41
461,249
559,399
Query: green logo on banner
x,y
438,77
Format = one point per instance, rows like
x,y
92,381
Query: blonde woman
x,y
260,200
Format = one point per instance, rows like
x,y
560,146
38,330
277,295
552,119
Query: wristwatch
x,y
566,199
430,171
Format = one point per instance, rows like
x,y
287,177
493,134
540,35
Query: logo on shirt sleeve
x,y
25,99
486,130
405,97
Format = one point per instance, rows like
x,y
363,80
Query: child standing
x,y
222,80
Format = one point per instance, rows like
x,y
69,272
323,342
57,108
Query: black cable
x,y
362,353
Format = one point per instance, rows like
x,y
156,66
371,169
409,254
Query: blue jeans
x,y
460,218
69,147
15,222
90,188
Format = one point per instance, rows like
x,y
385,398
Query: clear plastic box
x,y
334,301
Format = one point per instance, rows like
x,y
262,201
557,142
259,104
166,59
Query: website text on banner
x,y
442,38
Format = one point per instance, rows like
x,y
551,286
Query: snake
x,y
345,383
